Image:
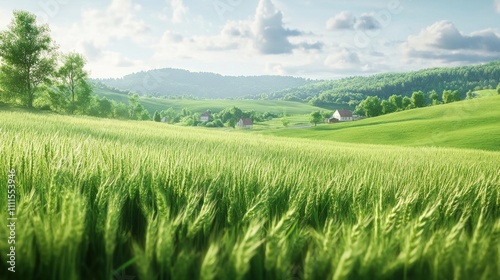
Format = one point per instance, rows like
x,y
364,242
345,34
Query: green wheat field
x,y
100,199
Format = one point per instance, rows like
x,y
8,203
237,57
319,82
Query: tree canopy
x,y
28,58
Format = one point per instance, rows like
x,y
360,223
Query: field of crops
x,y
98,199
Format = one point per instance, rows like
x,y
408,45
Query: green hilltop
x,y
467,124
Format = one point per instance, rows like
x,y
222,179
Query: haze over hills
x,y
346,92
177,82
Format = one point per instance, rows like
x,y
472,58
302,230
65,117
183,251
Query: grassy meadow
x,y
468,124
215,105
100,198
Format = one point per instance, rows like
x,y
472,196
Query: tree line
x,y
34,74
349,92
373,106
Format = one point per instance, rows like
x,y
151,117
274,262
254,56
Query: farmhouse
x,y
205,117
343,115
245,123
331,120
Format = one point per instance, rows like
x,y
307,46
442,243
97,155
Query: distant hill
x,y
470,124
175,82
199,106
354,89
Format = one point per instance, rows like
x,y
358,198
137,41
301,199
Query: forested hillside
x,y
176,82
352,90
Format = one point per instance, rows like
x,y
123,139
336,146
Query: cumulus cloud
x,y
100,27
347,21
367,22
179,10
270,36
345,59
344,20
443,41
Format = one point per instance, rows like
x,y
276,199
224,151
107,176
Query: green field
x,y
487,92
98,198
202,105
467,124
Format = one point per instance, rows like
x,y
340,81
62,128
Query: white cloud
x,y
442,41
367,22
344,20
497,5
347,21
345,60
270,36
179,10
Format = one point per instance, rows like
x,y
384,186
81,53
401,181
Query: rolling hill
x,y
466,124
353,89
176,82
215,105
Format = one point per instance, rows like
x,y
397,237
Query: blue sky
x,y
309,38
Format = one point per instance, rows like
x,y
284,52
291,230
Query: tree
x,y
388,107
136,110
231,123
371,106
451,96
120,110
418,99
470,95
28,58
434,97
315,117
397,100
406,102
285,121
168,114
73,84
157,117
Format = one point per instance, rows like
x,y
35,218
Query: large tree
x,y
28,58
315,117
418,99
74,85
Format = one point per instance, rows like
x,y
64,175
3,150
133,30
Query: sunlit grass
x,y
98,197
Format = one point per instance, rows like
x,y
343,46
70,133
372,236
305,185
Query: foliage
x,y
451,96
28,59
371,106
73,85
418,99
315,117
156,116
136,110
434,97
285,121
175,82
101,197
353,90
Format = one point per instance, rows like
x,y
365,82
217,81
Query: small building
x,y
205,117
343,115
165,120
331,120
245,123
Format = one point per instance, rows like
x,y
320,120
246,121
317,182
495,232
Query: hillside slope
x,y
173,82
216,105
466,124
463,79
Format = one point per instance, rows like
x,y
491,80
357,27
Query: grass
x,y
99,198
200,106
486,92
466,124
